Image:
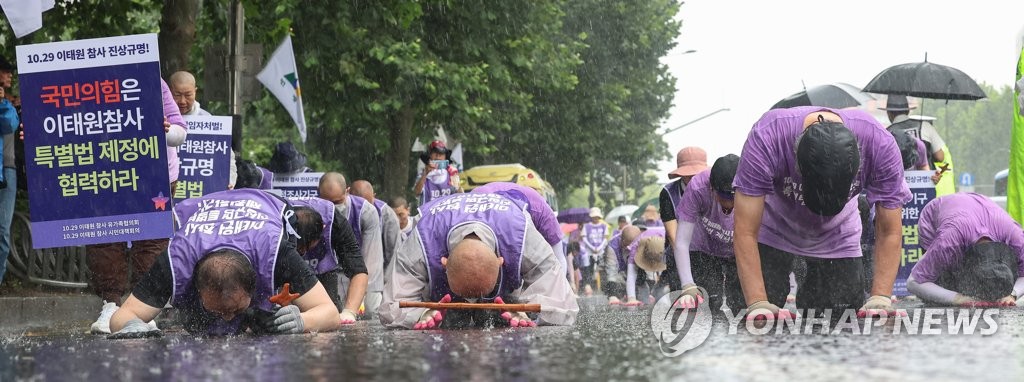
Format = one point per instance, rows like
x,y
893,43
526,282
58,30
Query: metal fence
x,y
58,267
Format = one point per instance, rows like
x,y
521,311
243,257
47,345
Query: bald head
x,y
363,189
629,234
183,89
472,268
333,188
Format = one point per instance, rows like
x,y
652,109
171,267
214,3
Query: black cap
x,y
5,65
990,269
723,172
828,158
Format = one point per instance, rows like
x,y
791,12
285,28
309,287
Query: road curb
x,y
18,314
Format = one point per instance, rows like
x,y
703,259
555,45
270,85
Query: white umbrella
x,y
623,210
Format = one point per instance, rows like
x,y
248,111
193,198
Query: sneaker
x,y
152,325
102,324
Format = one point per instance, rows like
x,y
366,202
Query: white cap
x,y
595,212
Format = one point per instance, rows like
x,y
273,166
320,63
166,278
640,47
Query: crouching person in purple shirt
x,y
796,186
974,253
227,259
704,248
475,248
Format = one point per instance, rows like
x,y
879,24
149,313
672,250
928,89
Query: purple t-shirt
x,y
951,224
768,168
712,227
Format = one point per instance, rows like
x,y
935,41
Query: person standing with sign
x,y
974,253
595,240
796,182
183,88
109,263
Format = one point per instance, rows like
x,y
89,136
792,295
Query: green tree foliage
x,y
609,120
977,132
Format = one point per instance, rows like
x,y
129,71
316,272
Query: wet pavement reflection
x,y
608,343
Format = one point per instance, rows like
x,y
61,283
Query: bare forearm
x,y
748,264
131,309
888,247
322,318
356,291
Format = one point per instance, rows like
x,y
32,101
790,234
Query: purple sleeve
x,y
754,176
937,260
886,184
922,154
171,110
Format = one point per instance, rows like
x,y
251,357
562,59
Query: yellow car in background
x,y
513,173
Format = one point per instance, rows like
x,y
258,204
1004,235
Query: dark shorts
x,y
718,276
823,283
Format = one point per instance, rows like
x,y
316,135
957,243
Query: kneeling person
x,y
475,247
221,268
974,253
329,245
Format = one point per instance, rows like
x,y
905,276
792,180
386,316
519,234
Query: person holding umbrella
x,y
795,188
897,108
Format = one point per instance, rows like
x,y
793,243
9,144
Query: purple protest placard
x,y
298,185
205,157
922,191
94,141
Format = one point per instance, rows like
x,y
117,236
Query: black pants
x,y
587,274
718,276
330,282
670,276
826,283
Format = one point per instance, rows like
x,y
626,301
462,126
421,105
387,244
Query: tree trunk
x,y
396,169
177,33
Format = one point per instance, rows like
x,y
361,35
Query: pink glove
x,y
515,319
432,318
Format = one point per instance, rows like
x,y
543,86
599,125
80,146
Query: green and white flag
x,y
281,77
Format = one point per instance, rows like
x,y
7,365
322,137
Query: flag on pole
x,y
1015,182
281,77
25,16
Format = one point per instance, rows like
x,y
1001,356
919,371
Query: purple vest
x,y
650,231
615,244
355,209
246,220
321,258
379,205
594,233
543,217
433,190
505,216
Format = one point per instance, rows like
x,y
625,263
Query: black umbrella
x,y
836,96
926,80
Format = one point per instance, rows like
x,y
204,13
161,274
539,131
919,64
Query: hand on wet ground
x,y
431,318
515,319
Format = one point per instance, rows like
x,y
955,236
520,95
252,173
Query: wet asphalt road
x,y
608,343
